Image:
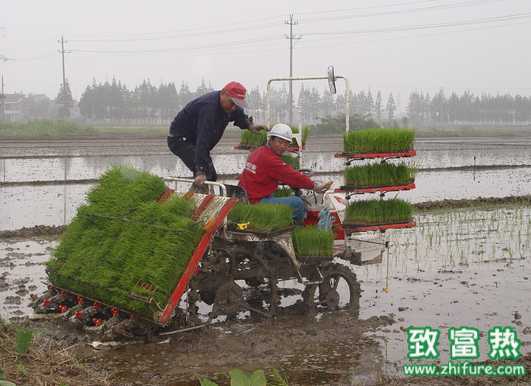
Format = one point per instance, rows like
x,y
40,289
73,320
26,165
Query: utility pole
x,y
62,41
3,95
66,104
291,22
2,101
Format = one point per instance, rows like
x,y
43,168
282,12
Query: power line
x,y
425,35
495,19
194,31
176,35
184,48
386,5
271,22
38,57
272,38
435,7
4,58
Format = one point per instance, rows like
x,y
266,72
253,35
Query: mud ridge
x,y
480,202
38,230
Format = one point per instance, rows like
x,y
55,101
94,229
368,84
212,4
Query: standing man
x,y
199,126
265,170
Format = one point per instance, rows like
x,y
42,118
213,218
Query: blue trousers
x,y
294,202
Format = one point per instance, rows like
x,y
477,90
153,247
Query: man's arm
x,y
243,121
287,175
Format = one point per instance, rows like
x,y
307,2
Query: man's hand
x,y
323,188
199,179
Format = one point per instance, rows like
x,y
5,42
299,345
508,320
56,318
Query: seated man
x,y
265,170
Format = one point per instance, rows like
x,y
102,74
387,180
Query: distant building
x,y
12,107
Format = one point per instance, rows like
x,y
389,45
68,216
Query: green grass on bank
x,y
62,129
378,141
44,129
379,174
123,236
378,212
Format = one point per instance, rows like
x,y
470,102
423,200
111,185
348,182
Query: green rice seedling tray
x,y
353,228
379,141
379,175
236,228
129,249
260,218
377,212
292,160
312,242
375,189
251,140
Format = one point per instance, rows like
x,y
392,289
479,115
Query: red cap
x,y
236,91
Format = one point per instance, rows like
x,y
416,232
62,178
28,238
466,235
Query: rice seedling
x,y
378,212
122,237
23,340
262,218
378,175
253,139
305,134
378,141
283,191
292,160
311,241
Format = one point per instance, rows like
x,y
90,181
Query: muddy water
x,y
22,273
457,268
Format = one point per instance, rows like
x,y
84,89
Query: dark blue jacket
x,y
202,122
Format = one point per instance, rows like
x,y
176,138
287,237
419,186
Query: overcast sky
x,y
394,46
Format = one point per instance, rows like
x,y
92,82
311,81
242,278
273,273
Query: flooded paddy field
x,y
43,182
458,267
461,267
26,163
28,205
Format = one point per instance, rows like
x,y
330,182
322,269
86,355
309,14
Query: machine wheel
x,y
228,300
339,290
254,282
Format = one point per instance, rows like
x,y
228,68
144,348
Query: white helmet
x,y
280,130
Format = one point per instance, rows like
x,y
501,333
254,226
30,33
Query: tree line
x,y
114,101
157,104
424,109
